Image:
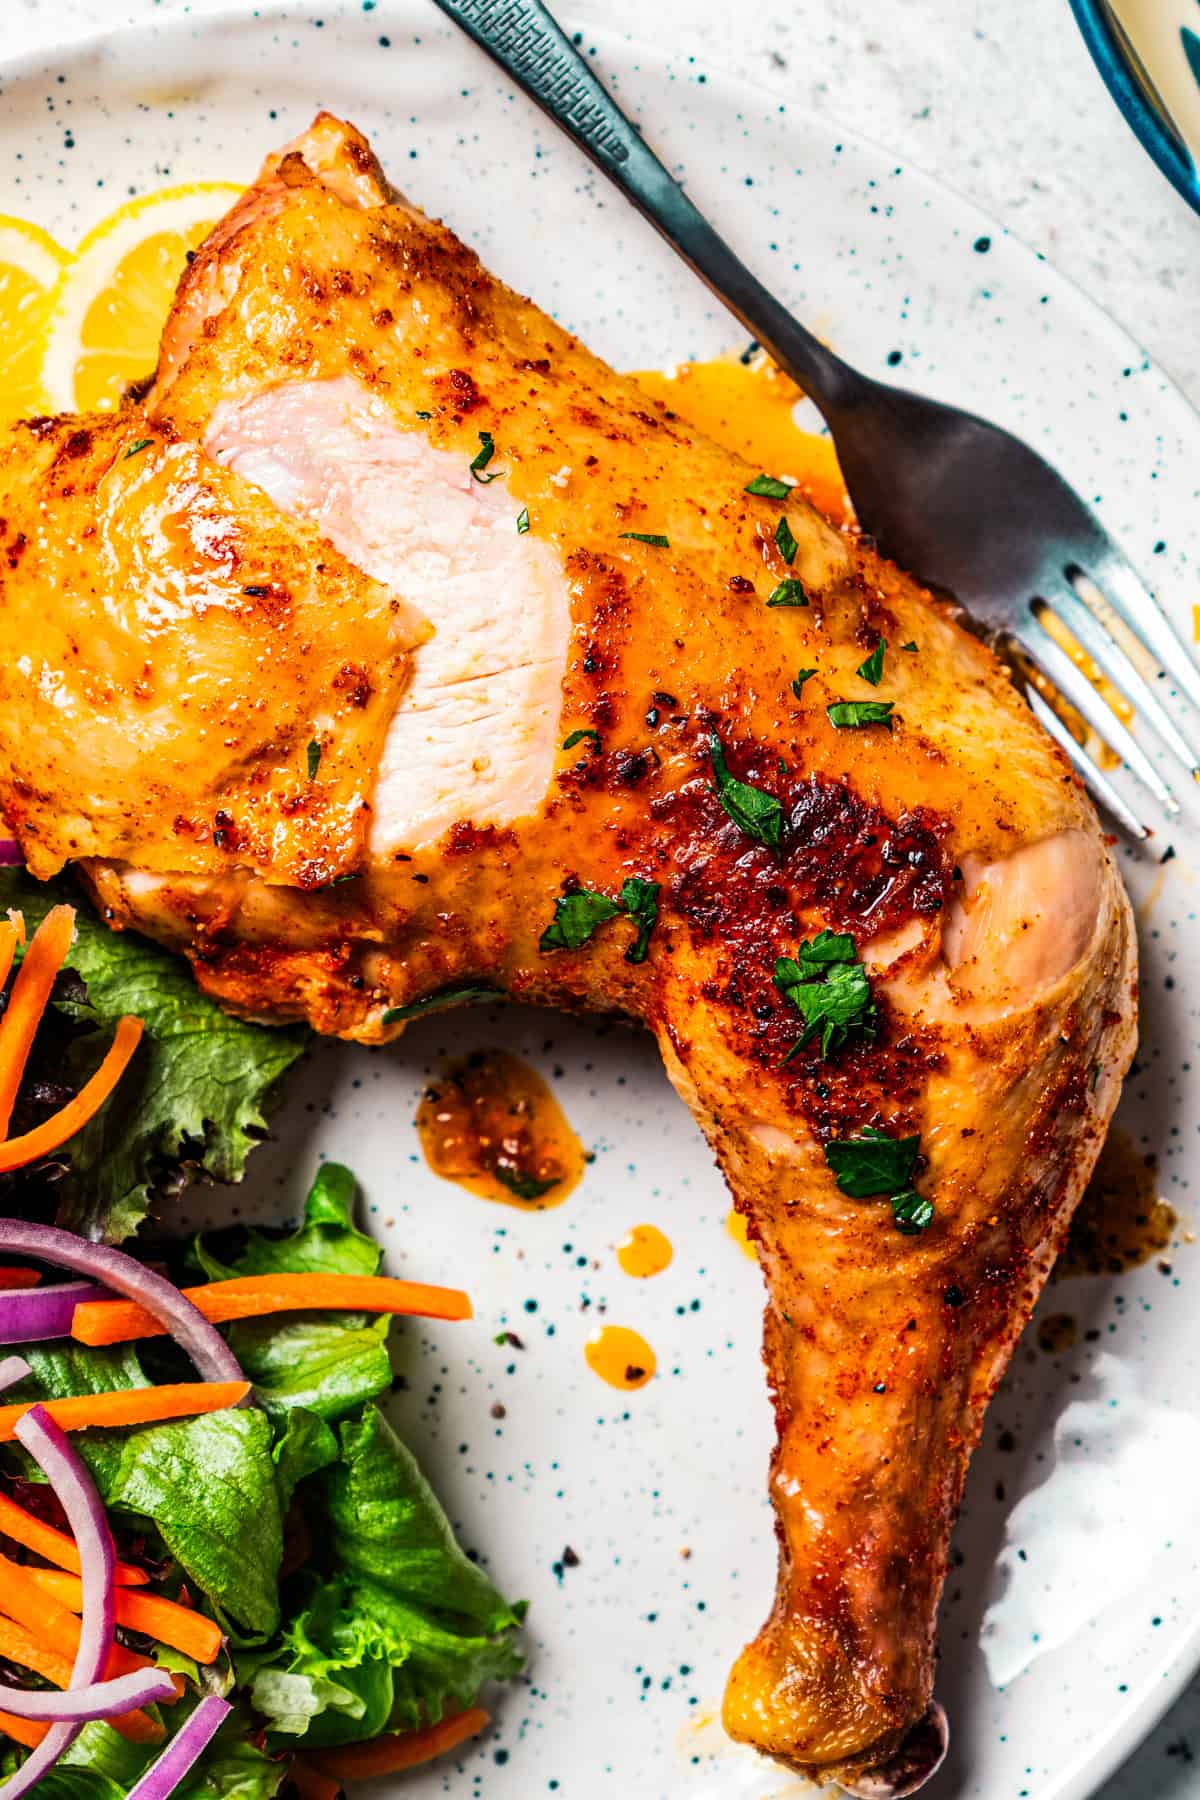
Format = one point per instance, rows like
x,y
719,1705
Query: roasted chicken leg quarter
x,y
412,630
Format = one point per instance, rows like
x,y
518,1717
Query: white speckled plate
x,y
1090,1463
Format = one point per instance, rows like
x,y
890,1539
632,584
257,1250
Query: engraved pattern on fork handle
x,y
535,51
526,41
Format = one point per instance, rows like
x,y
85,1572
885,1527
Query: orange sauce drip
x,y
748,408
621,1357
491,1124
645,1251
1121,1222
735,1225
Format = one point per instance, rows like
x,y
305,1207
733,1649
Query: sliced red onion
x,y
164,1775
67,1474
10,854
33,1315
12,1370
102,1700
124,1275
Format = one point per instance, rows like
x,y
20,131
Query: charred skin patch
x,y
457,393
465,839
843,864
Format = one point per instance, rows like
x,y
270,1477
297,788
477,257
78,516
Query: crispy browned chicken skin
x,y
296,638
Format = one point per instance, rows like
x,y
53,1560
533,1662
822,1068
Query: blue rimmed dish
x,y
1149,57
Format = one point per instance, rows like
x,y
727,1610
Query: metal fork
x,y
963,505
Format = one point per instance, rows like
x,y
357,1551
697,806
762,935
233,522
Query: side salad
x,y
220,1569
192,1103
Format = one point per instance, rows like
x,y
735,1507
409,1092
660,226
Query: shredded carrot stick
x,y
56,1546
398,1750
19,1278
130,1406
12,933
23,1731
49,1620
24,1601
191,1632
16,1152
21,1645
28,1647
30,991
250,1296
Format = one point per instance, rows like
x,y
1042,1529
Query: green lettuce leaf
x,y
327,1243
332,1683
390,1530
329,1363
104,1754
66,1783
192,1101
101,1765
209,1484
232,1768
396,1625
305,1444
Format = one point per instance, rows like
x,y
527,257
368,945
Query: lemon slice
x,y
108,313
31,265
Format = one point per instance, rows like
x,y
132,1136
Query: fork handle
x,y
523,38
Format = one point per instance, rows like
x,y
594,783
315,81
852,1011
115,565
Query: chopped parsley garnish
x,y
648,537
523,521
482,457
851,714
576,917
872,669
911,645
424,415
577,737
769,486
785,543
639,900
876,1166
314,759
911,1211
467,994
137,447
756,813
802,675
525,1187
790,592
873,1164
826,982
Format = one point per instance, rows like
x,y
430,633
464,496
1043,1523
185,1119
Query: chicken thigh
x,y
461,662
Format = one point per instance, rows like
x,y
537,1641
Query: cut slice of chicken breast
x,y
476,732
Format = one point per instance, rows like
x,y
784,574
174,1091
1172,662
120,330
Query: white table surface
x,y
1001,102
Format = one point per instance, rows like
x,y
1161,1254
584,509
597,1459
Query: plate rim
x,y
1113,66
172,32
